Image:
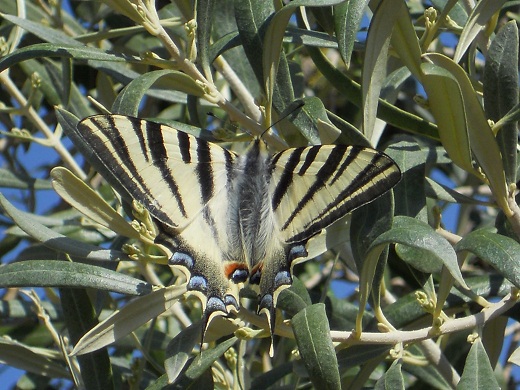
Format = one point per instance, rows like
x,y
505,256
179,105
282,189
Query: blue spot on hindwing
x,y
231,301
198,283
266,302
183,259
282,278
215,304
255,277
239,275
296,252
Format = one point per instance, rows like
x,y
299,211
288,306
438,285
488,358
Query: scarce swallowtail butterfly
x,y
230,219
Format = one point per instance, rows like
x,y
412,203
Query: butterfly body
x,y
230,219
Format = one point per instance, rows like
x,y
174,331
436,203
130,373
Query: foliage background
x,y
441,302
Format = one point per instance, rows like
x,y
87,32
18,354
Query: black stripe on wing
x,y
160,157
184,146
204,170
287,175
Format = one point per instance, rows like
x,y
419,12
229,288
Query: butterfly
x,y
229,219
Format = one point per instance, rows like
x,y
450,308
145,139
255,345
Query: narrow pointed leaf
x,y
479,17
405,41
501,92
347,19
205,16
311,329
56,241
84,199
17,355
63,50
500,251
129,318
42,31
478,373
9,179
386,111
481,138
55,273
445,101
374,67
206,358
179,350
80,316
129,99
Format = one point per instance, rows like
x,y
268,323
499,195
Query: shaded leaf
x,y
347,19
374,67
205,13
79,315
493,338
428,373
501,92
10,179
57,241
481,138
409,193
41,31
179,350
434,250
129,99
445,101
270,377
205,359
311,329
63,50
386,111
501,252
18,355
392,379
295,298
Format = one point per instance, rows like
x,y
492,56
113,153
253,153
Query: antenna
x,y
290,109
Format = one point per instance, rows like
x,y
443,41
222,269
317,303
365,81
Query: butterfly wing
x,y
315,186
183,182
311,188
172,173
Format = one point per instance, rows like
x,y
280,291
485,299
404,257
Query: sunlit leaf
x,y
129,318
478,373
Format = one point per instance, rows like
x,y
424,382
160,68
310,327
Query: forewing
x,y
173,174
313,187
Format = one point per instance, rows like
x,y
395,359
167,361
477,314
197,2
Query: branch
x,y
450,326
